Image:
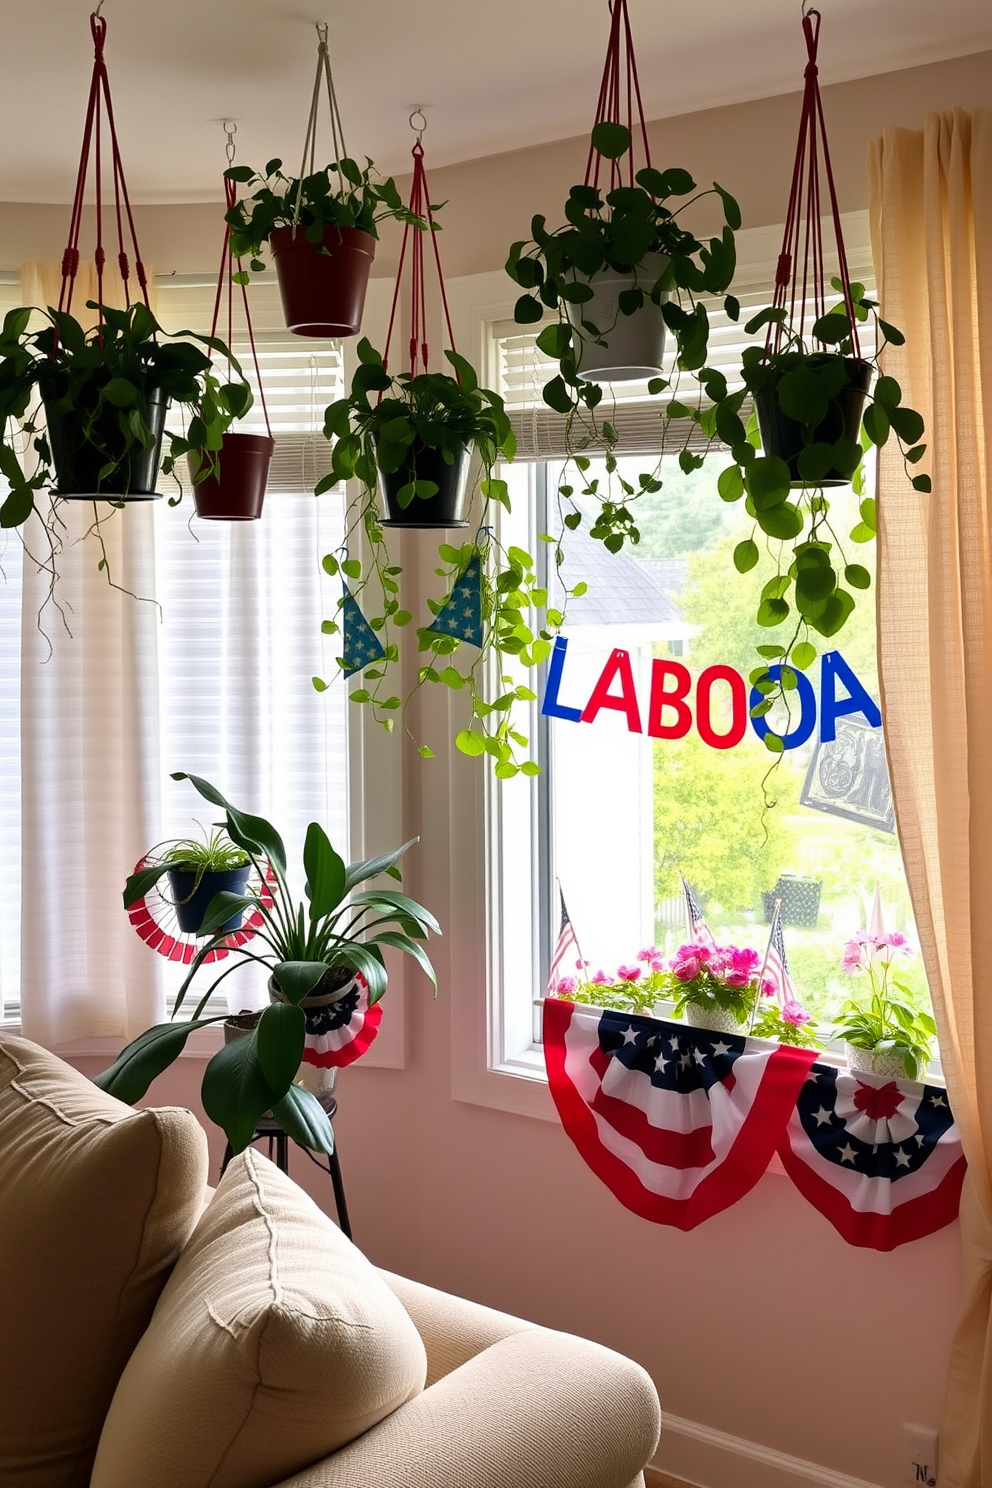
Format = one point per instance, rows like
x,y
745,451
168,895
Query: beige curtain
x,y
931,210
89,750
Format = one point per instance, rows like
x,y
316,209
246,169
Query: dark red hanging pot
x,y
323,286
237,491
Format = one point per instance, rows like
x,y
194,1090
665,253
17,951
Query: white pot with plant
x,y
885,1032
717,987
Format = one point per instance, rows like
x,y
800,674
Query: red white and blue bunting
x,y
680,1123
340,1032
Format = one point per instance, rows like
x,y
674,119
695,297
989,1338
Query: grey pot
x,y
635,344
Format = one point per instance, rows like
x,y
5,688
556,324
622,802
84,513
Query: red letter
x,y
618,665
738,701
661,699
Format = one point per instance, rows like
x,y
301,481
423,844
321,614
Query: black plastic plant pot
x,y
79,453
237,491
786,437
448,508
192,899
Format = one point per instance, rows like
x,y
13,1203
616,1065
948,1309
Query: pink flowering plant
x,y
633,988
884,1020
789,1024
710,977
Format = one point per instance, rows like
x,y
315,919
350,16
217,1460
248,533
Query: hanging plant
x,y
620,272
231,488
321,226
423,444
820,402
105,395
94,403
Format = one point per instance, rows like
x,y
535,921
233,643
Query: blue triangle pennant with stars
x,y
361,644
461,614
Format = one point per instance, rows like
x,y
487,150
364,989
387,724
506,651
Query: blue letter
x,y
834,668
807,716
551,707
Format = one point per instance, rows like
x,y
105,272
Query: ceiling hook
x,y
230,129
418,129
321,32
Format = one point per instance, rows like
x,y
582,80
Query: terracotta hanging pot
x,y
786,437
237,492
80,450
323,287
634,344
448,508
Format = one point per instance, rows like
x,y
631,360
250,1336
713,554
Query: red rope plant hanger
x,y
420,204
619,92
802,240
100,104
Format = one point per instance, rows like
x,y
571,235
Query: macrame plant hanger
x,y
98,105
800,275
413,239
619,101
323,282
446,508
235,492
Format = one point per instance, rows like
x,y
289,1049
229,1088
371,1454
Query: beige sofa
x,y
147,1339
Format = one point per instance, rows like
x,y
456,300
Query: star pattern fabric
x,y
461,614
362,646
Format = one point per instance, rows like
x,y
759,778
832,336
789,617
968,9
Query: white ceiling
x,y
493,75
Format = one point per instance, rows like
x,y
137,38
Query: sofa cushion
x,y
96,1202
274,1343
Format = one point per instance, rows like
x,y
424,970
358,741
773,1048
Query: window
x,y
616,815
239,638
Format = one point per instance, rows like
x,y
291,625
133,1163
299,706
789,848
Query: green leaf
x,y
746,556
857,577
279,1034
120,392
803,655
469,742
412,948
325,870
235,1093
768,481
891,333
772,612
730,484
304,1119
907,423
145,1057
731,210
922,483
382,863
528,311
611,140
297,979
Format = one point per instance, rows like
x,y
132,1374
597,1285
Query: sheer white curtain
x,y
197,657
89,759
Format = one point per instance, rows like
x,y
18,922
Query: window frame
x,y
485,1071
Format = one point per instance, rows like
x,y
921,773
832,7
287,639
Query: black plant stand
x,y
270,1128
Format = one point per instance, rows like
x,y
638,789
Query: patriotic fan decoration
x,y
156,921
340,1029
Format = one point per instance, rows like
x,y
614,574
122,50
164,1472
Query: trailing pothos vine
x,y
383,428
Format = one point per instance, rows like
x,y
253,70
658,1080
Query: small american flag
x,y
697,927
776,967
566,957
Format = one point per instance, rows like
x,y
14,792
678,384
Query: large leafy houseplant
x,y
806,436
402,424
98,387
307,945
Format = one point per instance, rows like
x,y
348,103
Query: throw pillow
x,y
96,1202
274,1343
